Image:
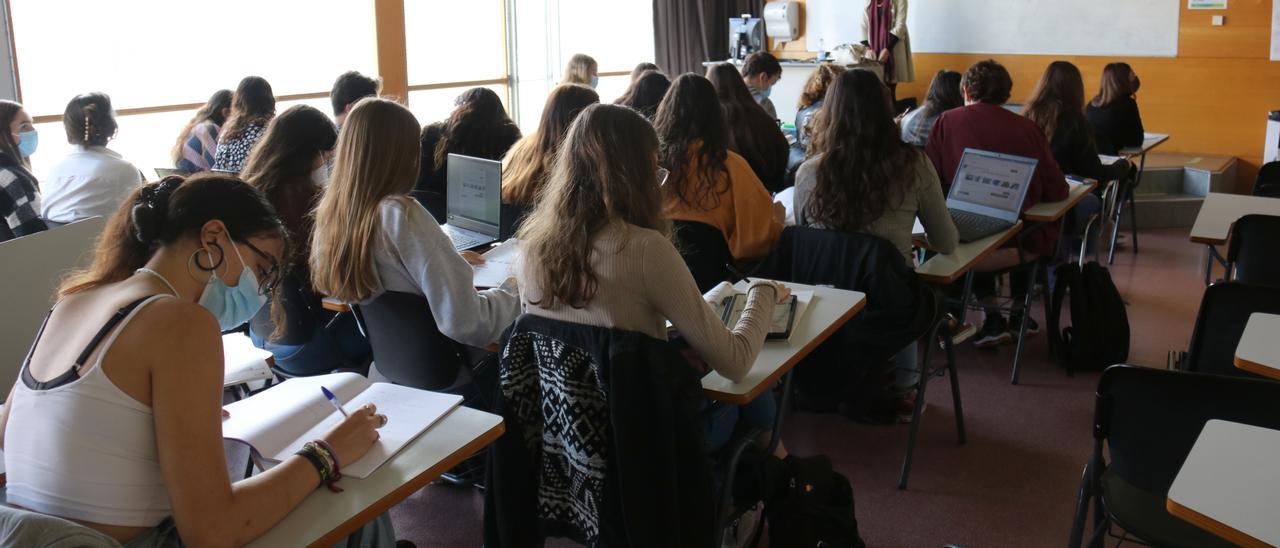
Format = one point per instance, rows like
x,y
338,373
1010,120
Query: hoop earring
x,y
213,266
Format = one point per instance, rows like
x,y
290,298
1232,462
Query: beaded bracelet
x,y
326,463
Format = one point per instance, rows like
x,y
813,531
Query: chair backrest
x,y
408,347
1254,252
705,251
1268,181
1224,311
598,420
1150,418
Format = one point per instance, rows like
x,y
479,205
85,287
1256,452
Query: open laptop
x,y
987,192
473,212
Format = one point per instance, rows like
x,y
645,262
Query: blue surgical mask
x,y
595,81
27,142
233,306
764,93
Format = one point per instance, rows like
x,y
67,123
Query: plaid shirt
x,y
20,202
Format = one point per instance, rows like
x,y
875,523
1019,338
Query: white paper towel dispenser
x,y
782,20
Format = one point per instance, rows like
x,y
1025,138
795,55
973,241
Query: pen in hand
x,y
737,273
334,400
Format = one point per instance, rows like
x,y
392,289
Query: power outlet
x,y
1219,20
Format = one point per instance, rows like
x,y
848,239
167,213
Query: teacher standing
x,y
884,23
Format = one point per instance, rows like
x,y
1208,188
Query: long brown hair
x,y
8,147
751,129
210,112
815,88
475,128
645,93
528,163
694,143
1117,83
253,103
579,69
944,93
159,214
377,157
605,172
865,168
1059,93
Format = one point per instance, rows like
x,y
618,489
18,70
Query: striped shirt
x,y
199,149
19,203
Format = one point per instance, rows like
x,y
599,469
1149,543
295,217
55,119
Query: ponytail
x,y
89,120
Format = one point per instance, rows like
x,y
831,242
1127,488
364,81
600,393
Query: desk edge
x,y
743,399
1211,525
1070,204
1255,368
943,280
410,487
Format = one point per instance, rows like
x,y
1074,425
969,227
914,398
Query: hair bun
x,y
151,208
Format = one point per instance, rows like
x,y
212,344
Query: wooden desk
x,y
325,517
1259,351
942,269
1220,211
1149,141
334,305
830,309
1230,484
1048,212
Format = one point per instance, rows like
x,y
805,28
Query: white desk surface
x,y
1149,141
244,362
1220,211
1258,350
829,310
1048,212
943,269
325,517
1230,484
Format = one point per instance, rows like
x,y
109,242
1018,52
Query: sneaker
x,y
995,332
1033,327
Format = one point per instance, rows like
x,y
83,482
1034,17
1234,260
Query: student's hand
x,y
784,292
353,437
780,212
898,119
883,57
472,258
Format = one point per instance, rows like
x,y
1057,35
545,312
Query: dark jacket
x,y
757,137
619,411
434,178
1074,149
19,192
1116,126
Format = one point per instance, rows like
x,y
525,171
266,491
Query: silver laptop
x,y
473,212
987,192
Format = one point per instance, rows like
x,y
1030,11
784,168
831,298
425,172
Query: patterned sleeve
x,y
19,205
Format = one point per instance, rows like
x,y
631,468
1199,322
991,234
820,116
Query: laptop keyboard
x,y
463,240
975,227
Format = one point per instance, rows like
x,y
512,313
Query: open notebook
x,y
728,302
499,264
277,422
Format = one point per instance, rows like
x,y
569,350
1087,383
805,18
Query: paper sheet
x,y
499,264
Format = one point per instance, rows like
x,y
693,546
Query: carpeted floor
x,y
1012,484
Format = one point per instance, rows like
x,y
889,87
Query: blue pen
x,y
334,400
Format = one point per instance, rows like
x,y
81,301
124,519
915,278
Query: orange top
x,y
744,214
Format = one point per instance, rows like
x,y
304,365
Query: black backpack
x,y
1098,336
812,507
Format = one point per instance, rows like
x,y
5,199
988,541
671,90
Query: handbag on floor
x,y
813,507
1098,336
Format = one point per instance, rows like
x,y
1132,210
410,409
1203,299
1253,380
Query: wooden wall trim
x,y
392,50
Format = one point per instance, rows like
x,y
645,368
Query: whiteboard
x,y
1146,28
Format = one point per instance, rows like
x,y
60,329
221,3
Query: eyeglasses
x,y
270,278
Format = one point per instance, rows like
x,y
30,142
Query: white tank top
x,y
85,450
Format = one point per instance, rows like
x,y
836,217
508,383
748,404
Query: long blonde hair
x,y
606,171
378,153
579,70
528,163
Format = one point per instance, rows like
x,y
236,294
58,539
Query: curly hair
x,y
988,82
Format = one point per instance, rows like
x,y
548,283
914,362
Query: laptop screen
x,y
991,184
475,192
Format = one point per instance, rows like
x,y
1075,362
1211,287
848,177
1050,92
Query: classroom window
x,y
450,41
435,105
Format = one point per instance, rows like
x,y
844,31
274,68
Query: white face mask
x,y
320,175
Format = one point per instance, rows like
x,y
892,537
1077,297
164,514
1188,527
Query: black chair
x,y
940,333
1149,419
435,203
1224,311
705,251
302,315
408,347
1252,254
1268,182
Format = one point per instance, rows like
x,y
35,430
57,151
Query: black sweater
x,y
1116,126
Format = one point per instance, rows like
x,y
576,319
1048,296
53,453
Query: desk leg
x,y
1022,327
1211,257
1126,193
965,294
